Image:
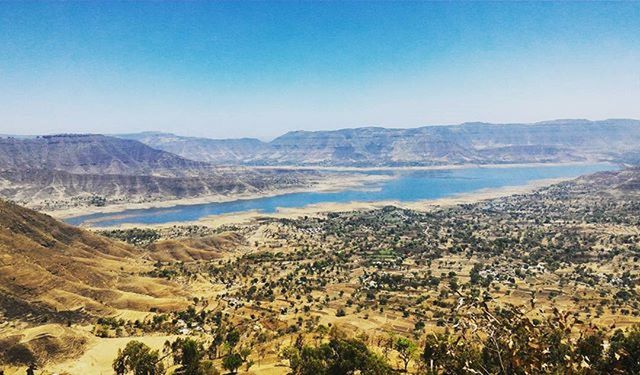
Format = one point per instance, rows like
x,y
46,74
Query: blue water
x,y
406,186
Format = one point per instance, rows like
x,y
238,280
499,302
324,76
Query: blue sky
x,y
260,69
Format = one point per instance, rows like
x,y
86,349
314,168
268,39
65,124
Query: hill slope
x,y
52,270
51,190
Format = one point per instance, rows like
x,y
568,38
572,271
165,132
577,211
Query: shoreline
x,y
319,209
428,167
419,205
324,183
330,183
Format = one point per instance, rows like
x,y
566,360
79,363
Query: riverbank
x,y
421,205
337,191
324,183
424,167
320,209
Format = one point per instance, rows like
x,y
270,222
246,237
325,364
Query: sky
x,y
260,69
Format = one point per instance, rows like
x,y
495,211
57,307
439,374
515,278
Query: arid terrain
x,y
319,187
80,171
435,290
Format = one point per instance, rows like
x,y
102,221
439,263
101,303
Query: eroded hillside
x,y
66,171
479,143
53,271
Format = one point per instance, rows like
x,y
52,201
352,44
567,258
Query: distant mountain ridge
x,y
70,170
64,171
218,151
481,143
92,153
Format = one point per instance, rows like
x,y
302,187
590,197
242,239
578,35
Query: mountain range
x,y
58,172
479,143
71,170
92,154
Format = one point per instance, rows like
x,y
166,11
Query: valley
x,y
74,174
400,282
339,190
319,187
335,266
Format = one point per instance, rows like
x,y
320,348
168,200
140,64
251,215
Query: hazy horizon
x,y
233,70
268,139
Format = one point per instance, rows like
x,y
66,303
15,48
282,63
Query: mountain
x,y
63,171
556,141
218,151
95,154
481,143
52,190
52,270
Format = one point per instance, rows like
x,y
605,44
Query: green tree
x,y
233,337
591,349
139,359
292,355
189,354
436,351
232,362
338,356
624,351
406,350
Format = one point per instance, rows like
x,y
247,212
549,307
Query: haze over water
x,y
407,186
